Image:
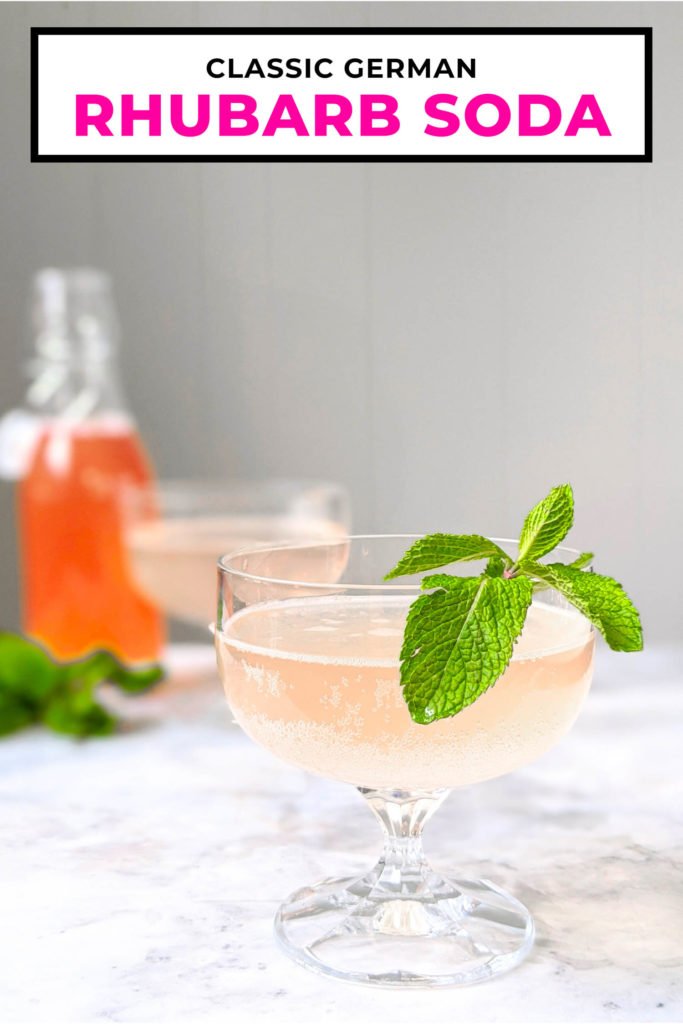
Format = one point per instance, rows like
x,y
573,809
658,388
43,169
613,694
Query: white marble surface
x,y
139,874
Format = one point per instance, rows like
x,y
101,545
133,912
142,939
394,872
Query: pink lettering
x,y
378,108
434,109
553,111
236,107
588,105
203,116
325,118
472,114
285,105
98,119
151,114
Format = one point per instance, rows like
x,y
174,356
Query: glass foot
x,y
428,933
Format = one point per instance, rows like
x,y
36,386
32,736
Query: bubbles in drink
x,y
329,699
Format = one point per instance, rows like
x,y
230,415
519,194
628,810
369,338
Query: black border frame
x,y
645,157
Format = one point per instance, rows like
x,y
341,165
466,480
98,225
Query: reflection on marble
x,y
140,874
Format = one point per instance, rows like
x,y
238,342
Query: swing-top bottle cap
x,y
73,313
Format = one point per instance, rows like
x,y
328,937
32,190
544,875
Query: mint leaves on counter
x,y
458,639
61,695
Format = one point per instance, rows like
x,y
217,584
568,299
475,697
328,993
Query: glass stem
x,y
402,868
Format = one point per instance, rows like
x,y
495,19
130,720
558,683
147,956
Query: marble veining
x,y
140,874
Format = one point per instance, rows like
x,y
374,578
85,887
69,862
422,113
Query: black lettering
x,y
318,64
210,71
416,70
443,68
255,69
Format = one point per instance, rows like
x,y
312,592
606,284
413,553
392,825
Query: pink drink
x,y
316,682
174,560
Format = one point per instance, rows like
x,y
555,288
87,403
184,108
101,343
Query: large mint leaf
x,y
600,598
458,641
547,524
439,549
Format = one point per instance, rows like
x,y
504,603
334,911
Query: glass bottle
x,y
83,456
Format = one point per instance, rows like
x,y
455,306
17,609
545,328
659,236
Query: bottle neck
x,y
76,389
74,371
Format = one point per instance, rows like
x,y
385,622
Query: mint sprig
x,y
35,688
459,637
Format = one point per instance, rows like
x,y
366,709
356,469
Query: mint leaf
x,y
547,524
578,563
439,549
73,708
103,666
600,598
34,688
15,713
135,680
70,713
84,675
582,560
25,668
458,641
494,567
441,579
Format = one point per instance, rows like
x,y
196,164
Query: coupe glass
x,y
177,530
308,639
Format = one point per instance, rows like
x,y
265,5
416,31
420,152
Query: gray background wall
x,y
448,340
